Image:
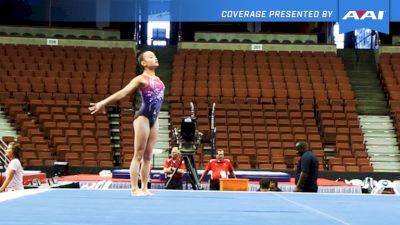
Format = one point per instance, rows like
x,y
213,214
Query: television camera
x,y
188,139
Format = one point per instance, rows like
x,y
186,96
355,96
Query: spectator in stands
x,y
14,172
307,169
220,167
145,123
267,184
170,165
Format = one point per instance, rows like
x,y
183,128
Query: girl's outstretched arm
x,y
128,89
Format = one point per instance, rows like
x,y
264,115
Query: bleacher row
x,y
47,90
270,100
298,96
235,76
389,71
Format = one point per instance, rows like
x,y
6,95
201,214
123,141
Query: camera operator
x,y
219,169
170,165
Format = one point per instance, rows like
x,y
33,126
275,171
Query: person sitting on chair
x,y
219,169
170,165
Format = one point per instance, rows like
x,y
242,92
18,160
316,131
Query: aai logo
x,y
371,14
364,14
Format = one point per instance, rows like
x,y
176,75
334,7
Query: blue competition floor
x,y
117,207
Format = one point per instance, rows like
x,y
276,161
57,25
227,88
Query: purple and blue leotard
x,y
152,99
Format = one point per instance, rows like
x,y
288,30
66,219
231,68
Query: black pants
x,y
176,183
214,185
309,189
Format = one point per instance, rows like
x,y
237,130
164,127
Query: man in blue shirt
x,y
307,169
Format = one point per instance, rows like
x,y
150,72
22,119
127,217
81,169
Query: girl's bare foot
x,y
137,192
147,193
140,192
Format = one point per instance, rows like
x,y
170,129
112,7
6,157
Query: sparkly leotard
x,y
152,99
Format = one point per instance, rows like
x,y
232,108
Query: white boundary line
x,y
6,196
312,209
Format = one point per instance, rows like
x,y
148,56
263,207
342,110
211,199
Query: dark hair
x,y
302,145
264,183
139,58
16,149
139,67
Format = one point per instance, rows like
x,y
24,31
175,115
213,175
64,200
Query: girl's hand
x,y
96,107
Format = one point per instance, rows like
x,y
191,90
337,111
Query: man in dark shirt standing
x,y
307,169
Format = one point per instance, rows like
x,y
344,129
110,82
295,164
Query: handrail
x,y
3,157
377,41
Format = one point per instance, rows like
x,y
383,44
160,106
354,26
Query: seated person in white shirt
x,y
14,172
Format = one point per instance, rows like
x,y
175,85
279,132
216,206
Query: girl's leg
x,y
147,157
142,130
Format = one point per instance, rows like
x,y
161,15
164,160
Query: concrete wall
x,y
59,32
68,42
256,37
261,47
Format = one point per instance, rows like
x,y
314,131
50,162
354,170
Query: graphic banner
x,y
395,10
372,14
254,10
351,14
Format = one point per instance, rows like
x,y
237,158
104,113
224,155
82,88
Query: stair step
x,y
365,96
375,118
384,157
378,126
379,135
164,131
372,103
378,111
8,133
383,151
380,141
372,110
364,81
163,139
386,166
161,145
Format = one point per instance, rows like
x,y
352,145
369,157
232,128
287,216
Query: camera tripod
x,y
187,158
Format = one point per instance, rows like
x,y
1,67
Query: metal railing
x,y
3,158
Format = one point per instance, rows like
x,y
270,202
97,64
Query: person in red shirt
x,y
169,167
220,167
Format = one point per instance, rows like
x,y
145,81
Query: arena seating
x,y
269,100
47,90
266,101
389,70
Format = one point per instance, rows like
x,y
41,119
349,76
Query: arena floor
x,y
101,207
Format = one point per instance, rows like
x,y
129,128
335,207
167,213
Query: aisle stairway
x,y
5,127
381,143
364,81
379,133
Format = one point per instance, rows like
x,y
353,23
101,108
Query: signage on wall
x,y
351,14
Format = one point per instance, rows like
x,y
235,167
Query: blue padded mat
x,y
101,207
251,175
